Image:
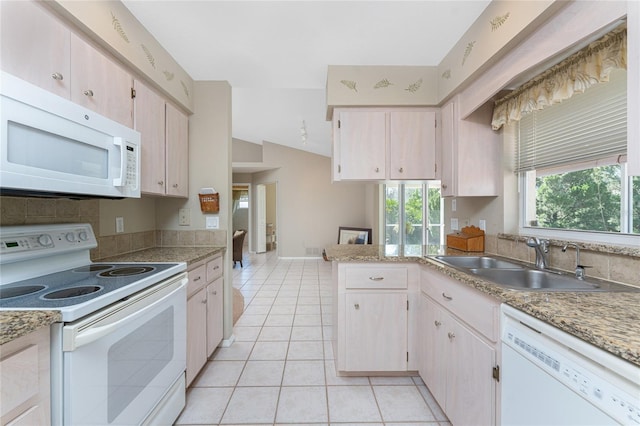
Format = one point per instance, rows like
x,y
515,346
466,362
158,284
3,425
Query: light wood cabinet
x,y
204,313
374,325
380,144
177,148
471,153
100,84
459,352
164,133
25,380
42,50
35,46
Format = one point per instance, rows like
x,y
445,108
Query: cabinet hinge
x,y
339,168
435,123
133,93
496,373
407,356
436,167
338,124
407,305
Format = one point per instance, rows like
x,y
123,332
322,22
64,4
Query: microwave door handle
x,y
93,334
120,181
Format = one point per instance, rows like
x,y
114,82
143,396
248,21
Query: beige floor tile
x,y
307,320
262,373
402,404
238,351
279,320
433,405
306,350
252,405
204,406
352,404
391,380
269,351
251,320
308,310
246,334
304,404
303,373
275,334
306,333
219,374
334,380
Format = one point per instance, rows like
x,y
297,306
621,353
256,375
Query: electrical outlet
x,y
454,224
482,224
119,224
184,217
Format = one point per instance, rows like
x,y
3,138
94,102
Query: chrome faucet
x,y
580,271
542,251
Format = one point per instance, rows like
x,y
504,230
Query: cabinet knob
x,y
357,306
204,301
377,169
175,185
437,323
161,182
214,292
88,93
451,335
444,186
216,267
197,278
57,76
401,169
447,297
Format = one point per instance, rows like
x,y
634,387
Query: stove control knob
x,y
45,240
83,236
70,236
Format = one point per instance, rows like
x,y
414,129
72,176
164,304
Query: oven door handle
x,y
75,337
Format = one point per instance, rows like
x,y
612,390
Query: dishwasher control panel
x,y
615,395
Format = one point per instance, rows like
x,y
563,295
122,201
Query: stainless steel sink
x,y
478,262
533,279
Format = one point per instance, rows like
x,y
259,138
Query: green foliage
x,y
581,200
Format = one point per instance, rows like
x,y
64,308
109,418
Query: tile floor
x,y
280,369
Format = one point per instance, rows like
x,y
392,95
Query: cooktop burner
x,y
93,268
67,293
6,293
124,272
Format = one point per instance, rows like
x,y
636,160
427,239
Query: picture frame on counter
x,y
349,235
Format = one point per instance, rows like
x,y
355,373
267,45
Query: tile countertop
x,y
608,320
14,324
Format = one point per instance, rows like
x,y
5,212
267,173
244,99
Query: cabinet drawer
x,y
19,378
197,279
476,309
376,277
214,269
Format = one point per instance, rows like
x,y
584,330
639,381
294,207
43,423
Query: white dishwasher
x,y
550,377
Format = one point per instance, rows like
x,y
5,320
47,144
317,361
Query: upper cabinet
x,y
471,153
100,84
163,128
384,143
38,48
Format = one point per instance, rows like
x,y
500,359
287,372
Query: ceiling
x,y
275,53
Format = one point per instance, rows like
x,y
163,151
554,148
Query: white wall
x,y
309,207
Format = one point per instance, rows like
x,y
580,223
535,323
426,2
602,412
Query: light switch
x,y
212,222
482,224
454,224
119,224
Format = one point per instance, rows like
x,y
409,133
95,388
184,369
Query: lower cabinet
x,y
25,378
204,313
457,360
374,326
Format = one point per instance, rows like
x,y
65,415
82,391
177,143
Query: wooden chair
x,y
238,243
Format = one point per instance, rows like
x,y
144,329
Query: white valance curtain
x,y
575,74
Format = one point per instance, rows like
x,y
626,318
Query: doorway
x,y
266,217
241,211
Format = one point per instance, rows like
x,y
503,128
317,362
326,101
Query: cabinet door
x,y
35,46
470,386
214,315
149,121
433,349
448,147
376,331
177,161
412,145
196,333
361,145
100,84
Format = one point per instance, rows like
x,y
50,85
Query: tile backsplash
x,y
614,263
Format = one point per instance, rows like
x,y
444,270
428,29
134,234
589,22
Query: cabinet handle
x,y
401,169
437,323
88,93
357,306
447,297
451,335
376,278
197,278
57,76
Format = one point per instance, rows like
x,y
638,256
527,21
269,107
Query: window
x,y
409,220
572,161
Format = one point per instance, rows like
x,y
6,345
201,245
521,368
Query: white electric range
x,y
119,354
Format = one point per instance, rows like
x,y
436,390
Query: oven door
x,y
119,363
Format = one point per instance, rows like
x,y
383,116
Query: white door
x,y
261,213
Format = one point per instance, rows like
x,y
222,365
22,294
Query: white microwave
x,y
51,146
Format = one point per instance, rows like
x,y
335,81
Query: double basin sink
x,y
520,276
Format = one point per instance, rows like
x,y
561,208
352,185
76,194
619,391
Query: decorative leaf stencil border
x,y
382,84
498,21
467,51
118,27
350,84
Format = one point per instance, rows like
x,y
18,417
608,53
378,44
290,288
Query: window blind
x,y
587,127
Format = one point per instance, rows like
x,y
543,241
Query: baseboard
x,y
227,342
